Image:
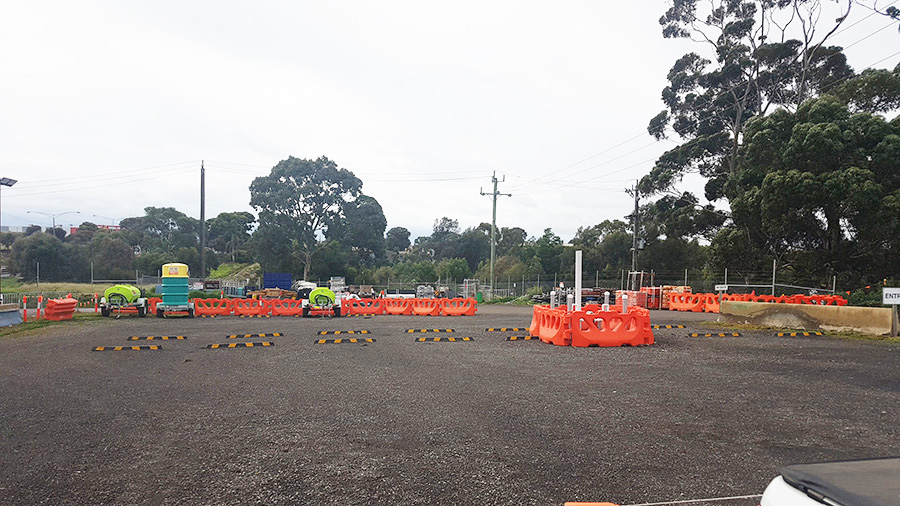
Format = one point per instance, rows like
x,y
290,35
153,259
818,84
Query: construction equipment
x,y
175,289
322,301
119,297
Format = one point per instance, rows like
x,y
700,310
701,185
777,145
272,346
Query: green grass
x,y
15,286
227,270
33,327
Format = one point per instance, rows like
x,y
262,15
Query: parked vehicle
x,y
118,297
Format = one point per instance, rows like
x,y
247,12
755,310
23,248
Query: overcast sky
x,y
109,106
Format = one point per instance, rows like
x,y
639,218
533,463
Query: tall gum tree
x,y
299,200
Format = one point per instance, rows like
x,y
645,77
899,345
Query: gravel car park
x,y
377,415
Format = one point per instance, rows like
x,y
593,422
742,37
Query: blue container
x,y
175,291
282,280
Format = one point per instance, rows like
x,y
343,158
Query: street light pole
x,y
112,221
53,215
4,181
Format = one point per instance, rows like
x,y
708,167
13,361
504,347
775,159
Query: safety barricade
x,y
214,307
60,309
251,307
285,307
397,306
460,307
362,306
710,302
611,328
552,325
426,307
686,302
153,301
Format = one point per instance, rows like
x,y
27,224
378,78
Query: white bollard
x,y
552,299
570,302
624,303
605,301
578,280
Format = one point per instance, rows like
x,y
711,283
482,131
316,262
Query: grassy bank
x,y
34,326
15,286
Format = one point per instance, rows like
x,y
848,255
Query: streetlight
x,y
112,221
53,215
4,181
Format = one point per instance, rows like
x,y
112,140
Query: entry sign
x,y
890,296
721,288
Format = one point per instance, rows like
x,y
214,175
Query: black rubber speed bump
x,y
238,345
153,338
717,334
522,338
152,347
411,331
245,336
339,332
668,326
505,329
255,316
441,339
347,340
796,334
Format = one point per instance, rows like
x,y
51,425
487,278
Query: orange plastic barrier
x,y
153,301
611,328
362,306
217,307
250,307
285,307
460,307
397,306
592,326
686,302
60,309
426,307
711,302
552,325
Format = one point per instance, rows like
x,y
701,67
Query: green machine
x,y
119,297
175,288
321,301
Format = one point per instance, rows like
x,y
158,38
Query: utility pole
x,y
202,220
494,196
634,239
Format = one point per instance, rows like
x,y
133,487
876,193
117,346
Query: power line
x,y
723,93
96,186
110,174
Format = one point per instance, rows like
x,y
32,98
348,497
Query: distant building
x,y
111,228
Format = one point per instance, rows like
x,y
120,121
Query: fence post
x,y
685,277
774,262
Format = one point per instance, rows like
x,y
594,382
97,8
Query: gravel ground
x,y
488,421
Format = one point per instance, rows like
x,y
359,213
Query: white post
x,y
570,302
552,299
624,303
605,301
578,280
774,263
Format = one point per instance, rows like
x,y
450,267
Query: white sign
x,y
890,296
721,288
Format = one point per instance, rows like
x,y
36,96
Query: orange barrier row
x,y
294,307
60,309
686,302
592,326
709,302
